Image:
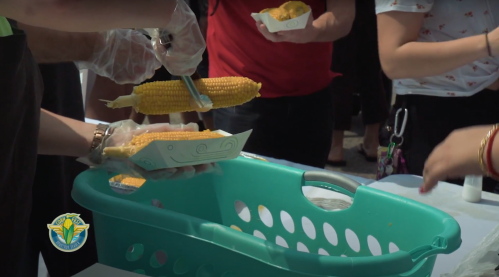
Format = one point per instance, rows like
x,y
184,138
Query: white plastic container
x,y
472,188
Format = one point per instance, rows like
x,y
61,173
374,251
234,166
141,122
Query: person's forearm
x,y
336,22
50,46
64,136
423,59
90,15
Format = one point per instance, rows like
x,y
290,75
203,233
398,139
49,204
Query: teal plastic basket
x,y
192,235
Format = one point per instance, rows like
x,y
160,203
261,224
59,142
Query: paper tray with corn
x,y
153,151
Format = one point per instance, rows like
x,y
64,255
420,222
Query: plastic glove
x,y
123,132
124,56
187,46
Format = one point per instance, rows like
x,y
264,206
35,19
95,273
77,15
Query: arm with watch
x,y
64,136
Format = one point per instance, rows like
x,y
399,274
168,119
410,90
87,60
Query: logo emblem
x,y
68,232
292,24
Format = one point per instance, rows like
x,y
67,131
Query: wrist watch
x,y
101,133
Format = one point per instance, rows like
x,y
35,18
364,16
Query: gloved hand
x,y
187,46
123,132
124,56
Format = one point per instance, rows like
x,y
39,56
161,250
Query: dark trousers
x,y
432,119
54,181
356,57
297,129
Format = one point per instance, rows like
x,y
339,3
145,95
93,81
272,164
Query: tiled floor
x,y
356,163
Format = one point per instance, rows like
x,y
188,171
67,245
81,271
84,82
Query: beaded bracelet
x,y
490,167
481,150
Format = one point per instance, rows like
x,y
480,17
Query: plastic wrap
x,y
186,46
482,261
124,56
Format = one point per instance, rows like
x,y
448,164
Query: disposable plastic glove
x,y
124,56
187,45
124,131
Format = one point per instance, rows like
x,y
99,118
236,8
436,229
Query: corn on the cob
x,y
295,8
141,141
67,223
277,13
165,97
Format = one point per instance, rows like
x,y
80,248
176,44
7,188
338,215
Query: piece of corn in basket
x,y
141,141
165,97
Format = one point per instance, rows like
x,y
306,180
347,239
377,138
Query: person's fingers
x,y
185,171
161,174
268,35
431,177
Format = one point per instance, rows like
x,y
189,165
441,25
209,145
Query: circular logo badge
x,y
68,232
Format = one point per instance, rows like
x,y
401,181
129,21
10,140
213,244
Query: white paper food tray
x,y
169,154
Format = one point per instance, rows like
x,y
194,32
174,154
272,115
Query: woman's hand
x,y
455,157
306,35
124,131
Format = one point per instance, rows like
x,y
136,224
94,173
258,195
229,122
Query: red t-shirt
x,y
237,48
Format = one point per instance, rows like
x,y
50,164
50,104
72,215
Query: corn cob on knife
x,y
202,101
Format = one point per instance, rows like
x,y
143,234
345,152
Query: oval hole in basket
x,y
374,246
308,227
243,211
287,222
352,240
302,247
134,252
281,242
323,252
330,234
181,266
392,247
206,270
140,271
344,256
259,235
158,259
265,216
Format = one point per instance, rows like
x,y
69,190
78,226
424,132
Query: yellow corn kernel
x,y
165,97
134,182
277,13
295,8
141,141
67,223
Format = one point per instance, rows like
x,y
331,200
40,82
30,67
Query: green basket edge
x,y
313,263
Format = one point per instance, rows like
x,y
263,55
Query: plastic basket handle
x,y
332,181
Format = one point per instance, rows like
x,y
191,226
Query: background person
x,y
437,54
292,119
21,99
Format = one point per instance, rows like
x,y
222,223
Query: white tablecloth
x,y
477,220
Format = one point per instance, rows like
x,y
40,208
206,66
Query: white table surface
x,y
477,220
